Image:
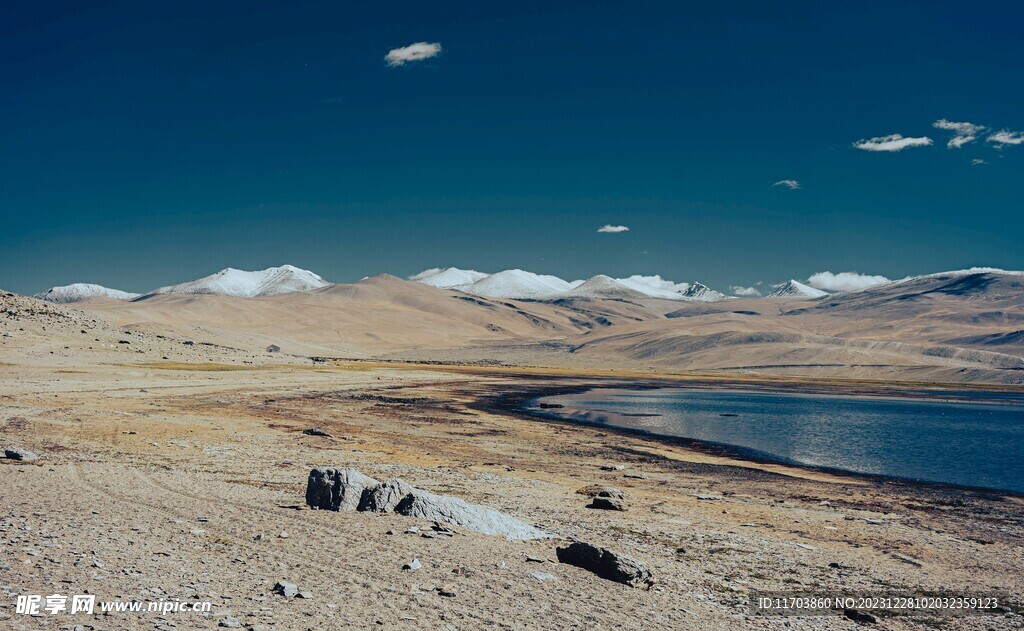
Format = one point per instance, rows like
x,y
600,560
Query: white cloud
x,y
1006,137
744,291
844,281
611,228
413,52
791,184
963,133
892,142
656,282
979,161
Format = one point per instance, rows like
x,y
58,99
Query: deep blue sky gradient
x,y
151,143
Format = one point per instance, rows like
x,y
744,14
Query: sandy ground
x,y
163,481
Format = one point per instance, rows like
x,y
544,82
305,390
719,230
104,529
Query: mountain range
x,y
511,284
965,325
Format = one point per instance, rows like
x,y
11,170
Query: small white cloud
x,y
963,133
790,184
844,281
1006,137
413,52
892,142
611,228
978,161
744,291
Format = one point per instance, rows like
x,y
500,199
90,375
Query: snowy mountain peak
x,y
448,277
516,283
795,289
703,293
234,282
602,286
82,291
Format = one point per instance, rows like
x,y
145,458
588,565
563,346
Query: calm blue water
x,y
973,444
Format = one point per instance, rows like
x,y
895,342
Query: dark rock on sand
x,y
22,455
859,616
607,503
289,590
315,431
606,564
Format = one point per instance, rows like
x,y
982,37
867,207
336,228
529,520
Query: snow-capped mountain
x,y
703,293
516,283
82,291
795,289
448,277
234,282
602,286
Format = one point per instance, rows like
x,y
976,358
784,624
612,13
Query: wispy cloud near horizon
x,y
413,52
892,142
739,290
792,185
613,229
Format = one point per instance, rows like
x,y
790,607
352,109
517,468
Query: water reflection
x,y
959,443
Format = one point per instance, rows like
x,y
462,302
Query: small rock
x,y
412,566
593,490
229,623
22,455
305,594
441,529
859,616
447,591
607,503
613,467
606,564
543,577
635,476
530,559
284,534
286,589
315,431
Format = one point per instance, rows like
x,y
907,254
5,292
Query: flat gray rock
x,y
330,488
452,510
606,564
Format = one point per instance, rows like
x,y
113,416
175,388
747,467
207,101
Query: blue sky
x,y
145,145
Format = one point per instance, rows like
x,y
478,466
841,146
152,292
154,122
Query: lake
x,y
970,444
